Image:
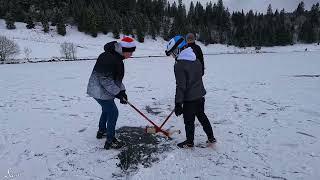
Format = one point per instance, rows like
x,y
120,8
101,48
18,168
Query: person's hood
x,y
113,47
187,55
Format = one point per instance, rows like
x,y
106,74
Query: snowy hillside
x,y
47,46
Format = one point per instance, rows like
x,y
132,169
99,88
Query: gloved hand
x,y
178,110
122,96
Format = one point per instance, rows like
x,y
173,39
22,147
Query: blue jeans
x,y
108,116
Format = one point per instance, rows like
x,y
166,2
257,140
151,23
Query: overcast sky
x,y
257,5
262,5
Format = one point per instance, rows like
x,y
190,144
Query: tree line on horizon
x,y
212,23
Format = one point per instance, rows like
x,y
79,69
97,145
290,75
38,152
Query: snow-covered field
x,y
264,108
266,118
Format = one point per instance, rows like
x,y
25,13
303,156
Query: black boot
x,y
114,144
211,140
101,135
185,144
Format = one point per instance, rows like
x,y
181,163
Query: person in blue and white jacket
x,y
105,84
190,91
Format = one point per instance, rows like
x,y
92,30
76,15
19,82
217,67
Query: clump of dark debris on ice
x,y
141,149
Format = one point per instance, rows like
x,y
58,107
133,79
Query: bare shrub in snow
x,y
68,50
27,52
8,48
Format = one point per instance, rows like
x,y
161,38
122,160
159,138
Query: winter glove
x,y
178,110
122,96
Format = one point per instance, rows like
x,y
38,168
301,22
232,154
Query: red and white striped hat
x,y
127,44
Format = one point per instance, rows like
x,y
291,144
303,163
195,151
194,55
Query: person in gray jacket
x,y
190,91
105,84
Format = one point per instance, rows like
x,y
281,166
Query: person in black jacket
x,y
196,49
105,84
190,91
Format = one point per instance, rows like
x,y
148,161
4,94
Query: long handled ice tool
x,y
156,128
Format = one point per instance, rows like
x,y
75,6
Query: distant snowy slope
x,y
47,45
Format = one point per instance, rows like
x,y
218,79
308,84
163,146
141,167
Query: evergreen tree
x,y
140,21
270,28
125,6
16,10
283,33
199,13
108,20
127,25
238,20
306,33
166,29
300,9
29,21
140,35
222,22
2,9
61,27
315,14
179,23
92,24
173,10
251,38
204,36
9,18
269,10
116,27
168,9
45,23
83,21
315,20
152,29
99,16
191,12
